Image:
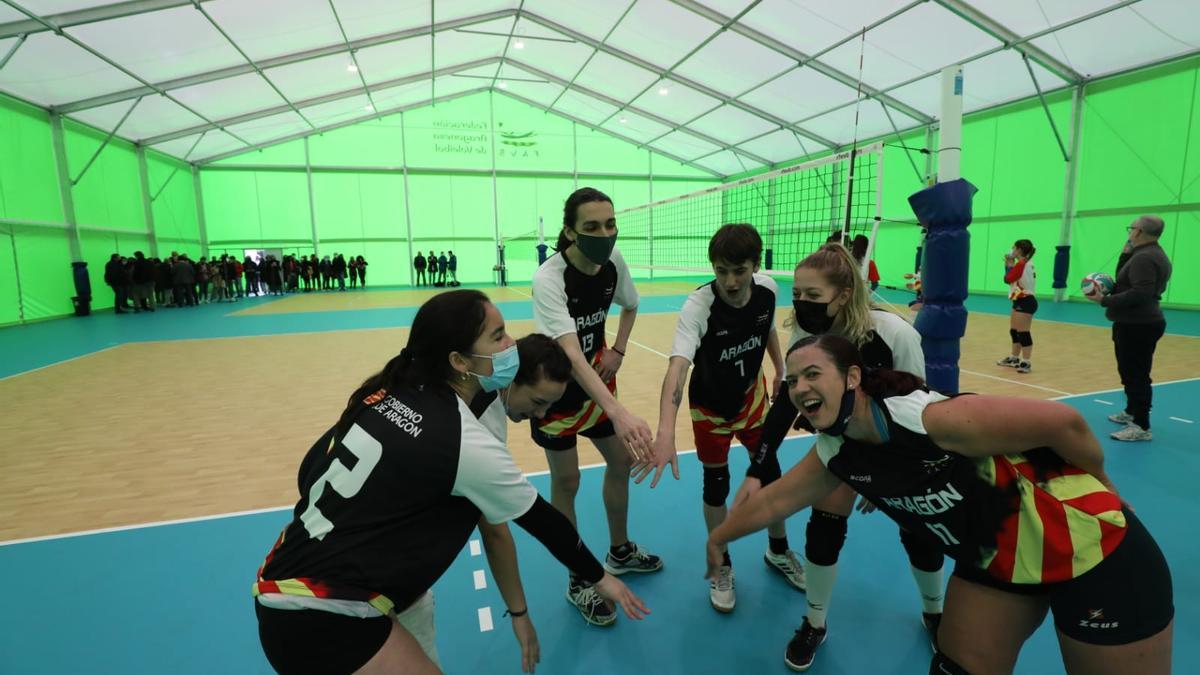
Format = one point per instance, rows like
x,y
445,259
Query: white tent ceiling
x,y
722,85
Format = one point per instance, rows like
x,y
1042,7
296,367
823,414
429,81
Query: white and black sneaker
x,y
1009,361
720,591
1121,418
591,606
1024,367
631,558
802,648
789,566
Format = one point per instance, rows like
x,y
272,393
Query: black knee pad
x,y
716,485
923,552
943,665
824,538
1025,339
770,472
1016,337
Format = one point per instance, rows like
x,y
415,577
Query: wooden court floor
x,y
154,431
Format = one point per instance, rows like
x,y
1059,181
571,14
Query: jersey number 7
x,y
345,482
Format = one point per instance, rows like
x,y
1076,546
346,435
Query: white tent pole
x,y
1072,177
312,202
407,200
950,138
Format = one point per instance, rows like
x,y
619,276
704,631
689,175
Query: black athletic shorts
x,y
559,443
1125,598
304,641
1025,305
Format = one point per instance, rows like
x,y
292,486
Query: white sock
x,y
932,588
820,580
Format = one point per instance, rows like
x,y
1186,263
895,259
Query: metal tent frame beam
x,y
660,72
296,57
1000,32
79,17
799,56
337,125
635,110
999,48
589,125
326,98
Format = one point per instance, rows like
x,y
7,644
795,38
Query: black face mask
x,y
845,410
596,249
812,317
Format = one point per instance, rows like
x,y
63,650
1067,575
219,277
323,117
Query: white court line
x,y
1180,419
480,580
289,507
1100,400
1023,384
59,363
635,342
475,547
485,619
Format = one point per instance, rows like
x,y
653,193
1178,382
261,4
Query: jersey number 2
x,y
345,482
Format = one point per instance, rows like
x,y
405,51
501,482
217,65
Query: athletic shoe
x,y
803,646
789,566
1024,367
1121,418
1010,361
1132,432
932,621
591,606
636,559
720,591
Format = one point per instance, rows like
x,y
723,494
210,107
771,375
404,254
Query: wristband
x,y
514,615
617,351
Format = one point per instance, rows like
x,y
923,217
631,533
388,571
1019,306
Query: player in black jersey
x,y
725,329
572,292
829,296
389,496
1026,510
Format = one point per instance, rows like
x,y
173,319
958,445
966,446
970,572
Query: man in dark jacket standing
x,y
1138,322
419,266
114,276
144,274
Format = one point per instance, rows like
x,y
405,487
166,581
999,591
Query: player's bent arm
x,y
802,486
775,353
780,417
982,426
501,553
550,527
587,377
625,328
671,397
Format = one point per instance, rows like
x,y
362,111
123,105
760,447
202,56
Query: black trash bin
x,y
83,306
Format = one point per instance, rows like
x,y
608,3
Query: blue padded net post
x,y
1062,265
945,211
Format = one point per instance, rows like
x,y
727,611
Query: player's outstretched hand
x,y
635,435
715,557
531,652
610,588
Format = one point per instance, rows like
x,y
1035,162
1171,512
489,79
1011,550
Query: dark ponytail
x,y
876,382
447,322
571,211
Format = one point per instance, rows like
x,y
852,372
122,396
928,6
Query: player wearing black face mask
x,y
830,297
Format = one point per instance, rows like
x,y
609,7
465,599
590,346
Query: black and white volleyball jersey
x,y
895,344
725,344
1024,517
566,301
384,511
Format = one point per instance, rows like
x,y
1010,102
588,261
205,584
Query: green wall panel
x,y
175,223
28,178
10,300
375,143
231,205
284,154
109,193
529,139
45,267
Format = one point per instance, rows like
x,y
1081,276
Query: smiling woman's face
x,y
815,386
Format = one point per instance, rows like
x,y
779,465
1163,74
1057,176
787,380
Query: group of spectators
x,y
140,283
443,269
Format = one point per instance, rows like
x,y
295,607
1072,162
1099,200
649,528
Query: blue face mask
x,y
505,364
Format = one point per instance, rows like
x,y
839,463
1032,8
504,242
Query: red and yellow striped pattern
x,y
1064,527
750,416
571,422
314,588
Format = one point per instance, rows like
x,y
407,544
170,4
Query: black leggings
x,y
1134,345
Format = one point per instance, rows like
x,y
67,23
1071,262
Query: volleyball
x,y
1097,282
